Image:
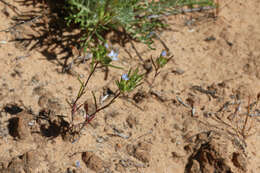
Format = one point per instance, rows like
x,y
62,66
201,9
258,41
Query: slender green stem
x,y
74,107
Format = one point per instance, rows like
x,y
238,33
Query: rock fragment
x,y
239,161
93,162
19,126
141,151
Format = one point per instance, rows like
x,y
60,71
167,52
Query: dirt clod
x,y
239,161
93,162
211,154
131,121
195,167
148,66
48,102
141,151
139,96
18,126
31,161
120,168
16,165
26,163
142,155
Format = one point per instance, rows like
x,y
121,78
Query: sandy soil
x,y
191,121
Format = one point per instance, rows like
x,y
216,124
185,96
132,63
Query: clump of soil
x,y
211,154
141,151
19,125
93,162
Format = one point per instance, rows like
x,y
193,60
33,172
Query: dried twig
x,y
137,53
244,126
184,104
180,11
212,93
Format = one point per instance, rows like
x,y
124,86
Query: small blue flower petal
x,y
77,164
125,77
113,55
114,58
88,56
151,34
106,45
164,53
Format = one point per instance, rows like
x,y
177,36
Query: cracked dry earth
x,y
192,121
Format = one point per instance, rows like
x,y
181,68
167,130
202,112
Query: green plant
x,y
127,83
135,20
159,63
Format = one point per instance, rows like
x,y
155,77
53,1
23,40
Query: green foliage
x,y
129,81
101,55
137,18
161,61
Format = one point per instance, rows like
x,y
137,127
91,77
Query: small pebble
x,y
178,71
31,123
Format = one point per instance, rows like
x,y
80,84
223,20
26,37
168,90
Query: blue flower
x,y
88,56
106,45
151,34
77,164
125,77
164,53
113,55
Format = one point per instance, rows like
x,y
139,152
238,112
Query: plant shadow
x,y
50,35
51,125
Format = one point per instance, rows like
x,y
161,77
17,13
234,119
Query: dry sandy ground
x,y
192,120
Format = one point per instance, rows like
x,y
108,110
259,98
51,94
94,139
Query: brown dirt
x,y
214,72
